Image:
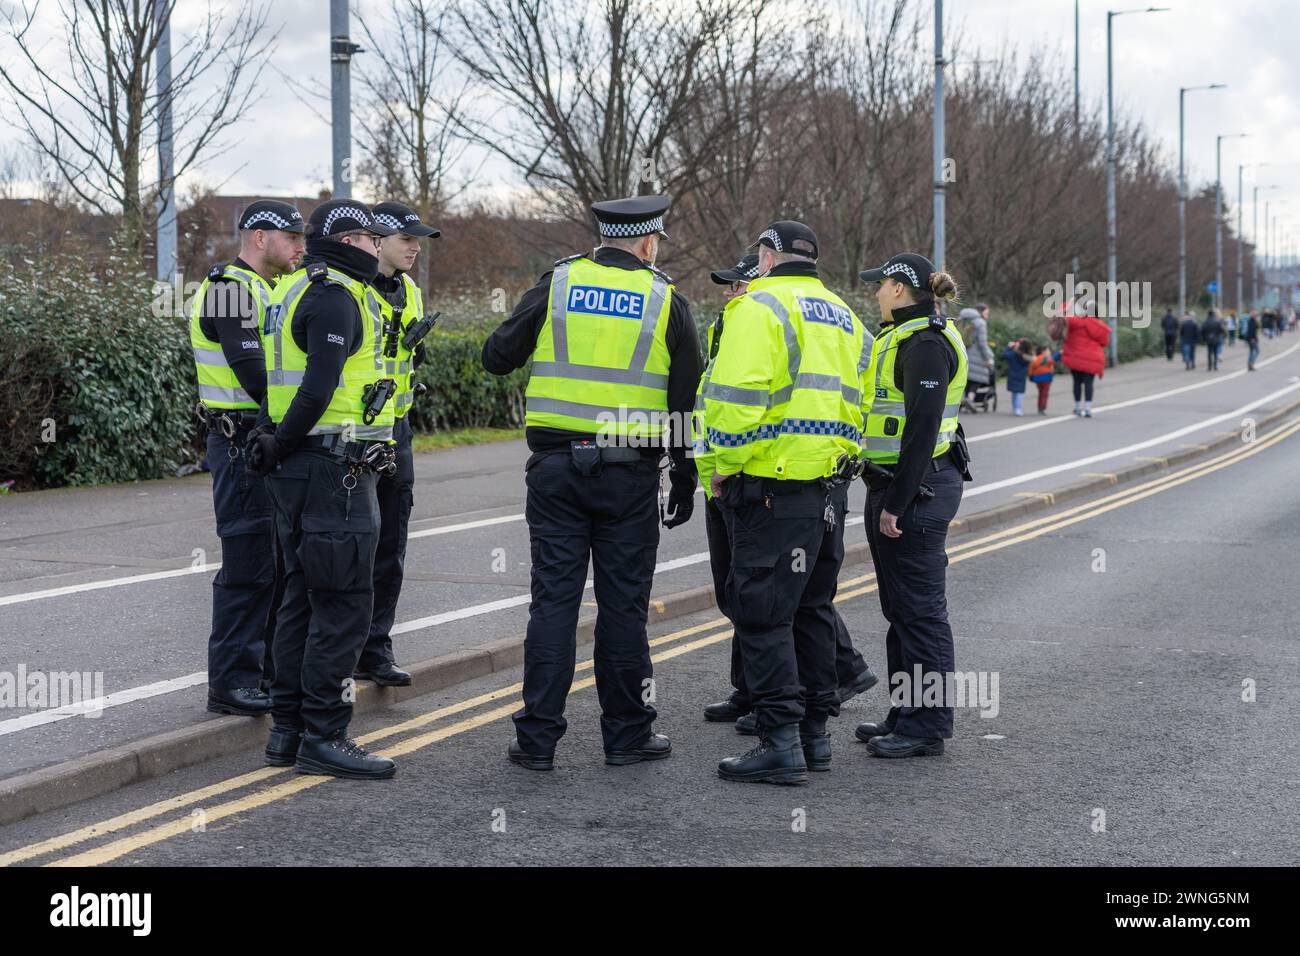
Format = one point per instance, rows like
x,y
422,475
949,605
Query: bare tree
x,y
94,113
410,132
583,100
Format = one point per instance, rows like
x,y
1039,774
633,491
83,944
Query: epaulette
x,y
659,272
217,272
938,322
316,270
576,255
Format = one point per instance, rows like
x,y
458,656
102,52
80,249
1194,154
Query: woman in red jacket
x,y
1086,338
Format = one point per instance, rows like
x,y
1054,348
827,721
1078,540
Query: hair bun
x,y
943,286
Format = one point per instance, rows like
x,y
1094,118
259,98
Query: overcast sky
x,y
1248,44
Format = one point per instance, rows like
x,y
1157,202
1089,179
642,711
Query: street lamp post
x,y
1111,229
1237,301
1182,198
939,184
1218,217
1254,237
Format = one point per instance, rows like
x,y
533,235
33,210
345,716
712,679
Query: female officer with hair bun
x,y
917,462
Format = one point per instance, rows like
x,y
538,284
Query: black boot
x,y
778,758
240,702
282,746
816,743
341,756
865,732
863,681
387,674
747,725
900,745
725,711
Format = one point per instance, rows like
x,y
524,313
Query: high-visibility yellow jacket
x,y
784,397
286,362
886,416
218,385
401,368
701,451
601,362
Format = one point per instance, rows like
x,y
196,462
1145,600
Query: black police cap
x,y
632,217
404,219
743,271
271,214
338,216
909,268
786,235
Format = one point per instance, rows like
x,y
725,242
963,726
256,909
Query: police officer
x,y
782,411
403,307
327,431
852,672
615,354
226,316
918,462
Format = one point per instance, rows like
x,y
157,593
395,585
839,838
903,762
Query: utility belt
x,y
360,457
589,458
879,476
227,422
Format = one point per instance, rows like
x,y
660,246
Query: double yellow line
x,y
713,632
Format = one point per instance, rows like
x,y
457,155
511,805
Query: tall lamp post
x,y
939,184
1111,229
1182,198
1218,217
1254,236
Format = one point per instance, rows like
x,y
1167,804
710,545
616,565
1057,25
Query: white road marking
x,y
91,708
108,583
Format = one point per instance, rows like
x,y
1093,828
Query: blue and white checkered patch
x,y
791,426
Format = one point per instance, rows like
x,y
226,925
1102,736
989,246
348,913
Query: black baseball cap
x,y
271,214
631,217
338,216
404,219
743,271
787,235
909,268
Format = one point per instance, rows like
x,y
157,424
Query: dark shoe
x,y
386,674
656,747
816,743
865,732
282,746
241,702
864,681
778,758
724,711
747,725
899,745
341,756
518,755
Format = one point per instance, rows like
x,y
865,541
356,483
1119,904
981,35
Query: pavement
x,y
1143,643
116,580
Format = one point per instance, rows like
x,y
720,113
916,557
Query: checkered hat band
x,y
350,212
265,215
906,269
620,230
771,235
391,222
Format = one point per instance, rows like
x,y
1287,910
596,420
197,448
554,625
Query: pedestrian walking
x,y
1212,336
1084,353
1189,333
975,333
1017,355
1041,372
1169,325
1250,335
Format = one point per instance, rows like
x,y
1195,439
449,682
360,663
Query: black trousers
x,y
327,533
910,577
1082,382
785,565
611,520
396,495
1171,343
848,662
247,587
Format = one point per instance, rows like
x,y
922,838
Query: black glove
x,y
681,499
419,355
263,453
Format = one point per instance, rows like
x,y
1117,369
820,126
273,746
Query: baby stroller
x,y
985,396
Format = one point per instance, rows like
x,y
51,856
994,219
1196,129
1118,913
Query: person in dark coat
x,y
1250,335
1018,355
1212,336
1170,327
1189,334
